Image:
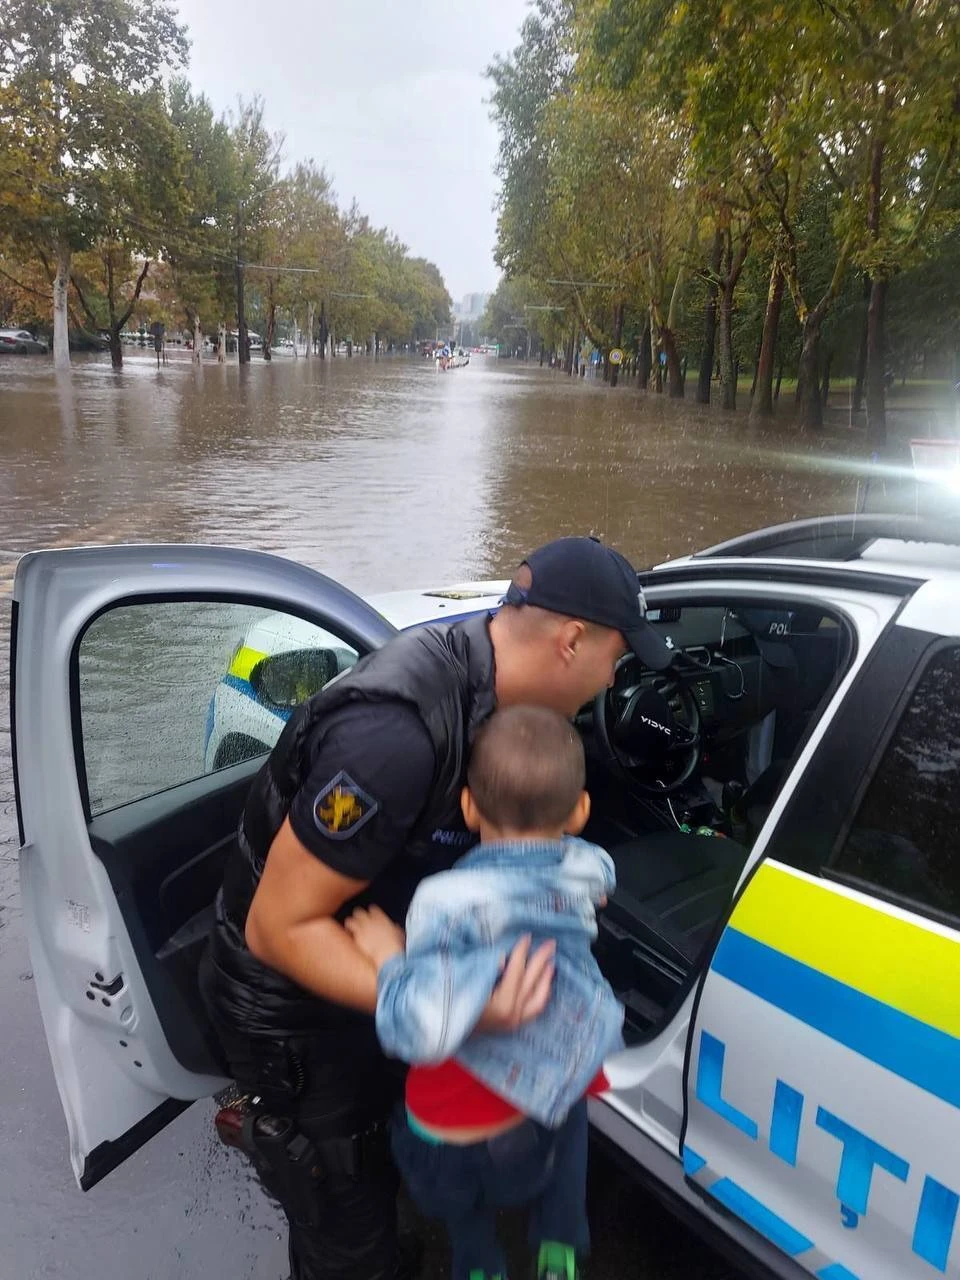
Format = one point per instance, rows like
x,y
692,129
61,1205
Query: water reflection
x,y
387,473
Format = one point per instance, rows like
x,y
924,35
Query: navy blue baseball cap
x,y
581,578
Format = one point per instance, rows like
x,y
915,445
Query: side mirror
x,y
287,679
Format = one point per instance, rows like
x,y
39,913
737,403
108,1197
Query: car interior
x,y
683,768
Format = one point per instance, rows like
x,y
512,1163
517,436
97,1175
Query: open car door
x,y
128,665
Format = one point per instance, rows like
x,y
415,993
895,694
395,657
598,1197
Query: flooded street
x,y
382,475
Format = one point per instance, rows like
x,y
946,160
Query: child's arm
x,y
429,1001
593,867
608,876
448,983
431,995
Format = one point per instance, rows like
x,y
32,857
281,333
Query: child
x,y
500,1119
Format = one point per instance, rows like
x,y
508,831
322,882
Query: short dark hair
x,y
526,769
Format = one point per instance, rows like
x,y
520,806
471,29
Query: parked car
x,y
21,342
782,805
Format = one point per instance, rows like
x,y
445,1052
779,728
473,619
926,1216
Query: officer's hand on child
x,y
524,987
375,934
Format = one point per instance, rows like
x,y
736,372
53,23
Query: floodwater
x,y
382,474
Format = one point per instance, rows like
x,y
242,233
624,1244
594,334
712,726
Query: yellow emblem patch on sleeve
x,y
342,807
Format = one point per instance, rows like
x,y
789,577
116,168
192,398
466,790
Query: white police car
x,y
783,807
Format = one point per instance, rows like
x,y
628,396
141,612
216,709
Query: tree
x,y
77,80
508,319
256,157
309,237
139,213
525,85
904,86
200,253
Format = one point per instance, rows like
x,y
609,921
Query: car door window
x,y
171,690
904,836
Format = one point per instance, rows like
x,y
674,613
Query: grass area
x,y
925,389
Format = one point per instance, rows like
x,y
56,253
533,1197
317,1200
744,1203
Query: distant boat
x,y
447,360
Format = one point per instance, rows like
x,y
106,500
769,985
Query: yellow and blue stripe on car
x,y
882,984
237,677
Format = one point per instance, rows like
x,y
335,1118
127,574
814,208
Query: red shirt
x,y
447,1096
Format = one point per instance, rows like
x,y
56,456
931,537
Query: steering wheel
x,y
640,733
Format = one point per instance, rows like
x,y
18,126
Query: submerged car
x,y
21,342
783,807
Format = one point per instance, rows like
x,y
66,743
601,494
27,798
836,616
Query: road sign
x,y
616,356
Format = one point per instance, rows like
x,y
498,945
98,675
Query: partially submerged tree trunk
x,y
808,374
876,314
569,350
311,308
668,338
674,364
243,346
733,264
197,339
710,321
617,338
117,320
825,388
271,330
61,331
876,364
222,344
728,377
644,358
861,377
324,332
762,404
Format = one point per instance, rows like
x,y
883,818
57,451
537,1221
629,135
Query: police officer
x,y
359,800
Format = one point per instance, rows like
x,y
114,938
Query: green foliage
x,y
632,131
104,157
85,141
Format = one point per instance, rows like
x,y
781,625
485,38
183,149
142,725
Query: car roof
x,y
898,546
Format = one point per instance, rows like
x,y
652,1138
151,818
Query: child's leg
x,y
558,1218
473,1241
445,1181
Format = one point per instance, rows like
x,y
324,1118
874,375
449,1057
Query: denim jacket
x,y
461,926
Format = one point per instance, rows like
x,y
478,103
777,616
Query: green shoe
x,y
556,1261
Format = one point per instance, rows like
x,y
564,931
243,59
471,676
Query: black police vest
x,y
446,673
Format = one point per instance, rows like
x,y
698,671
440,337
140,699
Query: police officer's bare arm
x,y
290,927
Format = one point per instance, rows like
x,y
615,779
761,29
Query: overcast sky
x,y
388,96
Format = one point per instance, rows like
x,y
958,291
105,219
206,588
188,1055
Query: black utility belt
x,y
278,1141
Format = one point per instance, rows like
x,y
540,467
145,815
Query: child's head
x,y
526,776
